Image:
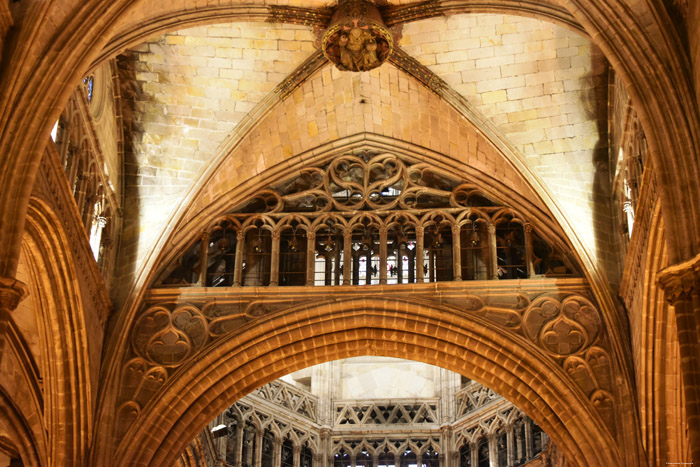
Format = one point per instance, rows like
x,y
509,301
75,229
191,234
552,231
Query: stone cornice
x,y
12,292
680,280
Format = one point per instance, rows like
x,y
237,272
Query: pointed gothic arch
x,y
67,380
304,335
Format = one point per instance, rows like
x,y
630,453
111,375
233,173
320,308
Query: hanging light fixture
x,y
257,244
328,244
293,243
474,238
437,239
402,239
223,243
366,241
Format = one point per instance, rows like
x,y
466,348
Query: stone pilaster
x,y
681,285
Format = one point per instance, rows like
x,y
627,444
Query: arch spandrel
x,y
315,330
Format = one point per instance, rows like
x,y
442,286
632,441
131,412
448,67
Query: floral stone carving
x,y
562,327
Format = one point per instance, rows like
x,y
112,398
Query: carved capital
x,y
681,280
12,292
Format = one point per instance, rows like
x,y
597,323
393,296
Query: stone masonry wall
x,y
544,87
184,92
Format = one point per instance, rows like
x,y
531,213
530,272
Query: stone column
x,y
310,257
347,257
240,429
275,259
681,286
493,450
528,439
277,453
382,254
296,460
529,264
419,254
337,271
238,271
456,254
325,447
203,260
447,447
510,440
258,446
492,252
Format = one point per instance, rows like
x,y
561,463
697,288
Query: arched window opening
x,y
105,246
548,261
292,254
342,459
97,223
465,455
483,453
306,457
267,458
502,450
520,449
232,443
386,459
474,244
89,83
629,174
510,248
248,445
430,458
365,251
220,249
258,251
186,270
287,453
329,254
438,253
376,219
363,458
539,439
408,458
401,245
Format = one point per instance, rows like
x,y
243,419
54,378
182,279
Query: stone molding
x,y
12,292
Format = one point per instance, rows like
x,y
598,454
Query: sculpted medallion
x,y
357,39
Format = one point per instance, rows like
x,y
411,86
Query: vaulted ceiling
x,y
211,107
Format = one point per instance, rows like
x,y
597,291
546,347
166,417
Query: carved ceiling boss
x,y
357,39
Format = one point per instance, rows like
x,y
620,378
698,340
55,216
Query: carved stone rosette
x,y
357,39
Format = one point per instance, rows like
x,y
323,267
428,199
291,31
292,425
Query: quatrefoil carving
x,y
562,326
